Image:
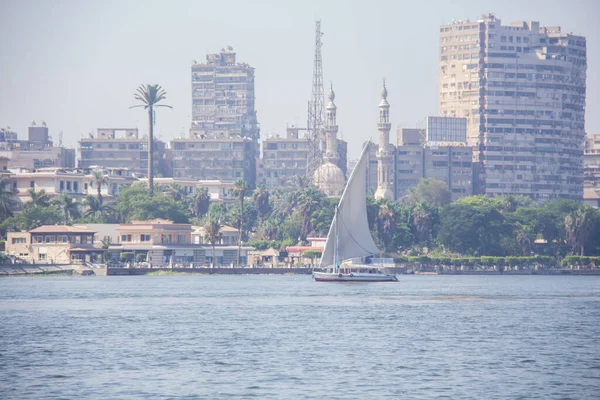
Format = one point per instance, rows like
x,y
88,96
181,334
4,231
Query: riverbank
x,y
46,270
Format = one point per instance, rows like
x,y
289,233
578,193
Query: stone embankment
x,y
50,269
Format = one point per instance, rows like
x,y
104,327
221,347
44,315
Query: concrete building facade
x,y
284,158
121,148
50,244
522,89
227,159
38,151
223,98
450,163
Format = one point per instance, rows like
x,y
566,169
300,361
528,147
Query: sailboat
x,y
349,243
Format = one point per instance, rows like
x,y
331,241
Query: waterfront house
x,y
54,244
162,243
229,235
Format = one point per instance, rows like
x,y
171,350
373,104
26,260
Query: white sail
x,y
351,226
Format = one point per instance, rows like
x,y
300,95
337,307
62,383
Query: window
x,y
50,239
62,185
63,239
18,240
68,186
125,238
42,257
38,239
32,184
75,186
144,237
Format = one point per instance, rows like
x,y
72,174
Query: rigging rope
x,y
352,237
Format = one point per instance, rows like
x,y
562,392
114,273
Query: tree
x,y
200,203
525,239
430,190
239,189
149,96
175,191
99,178
287,200
386,225
135,203
421,219
95,209
310,201
261,201
68,206
212,233
578,226
37,199
7,201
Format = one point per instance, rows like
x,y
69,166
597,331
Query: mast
x,y
336,259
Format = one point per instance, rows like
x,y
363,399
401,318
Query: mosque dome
x,y
330,179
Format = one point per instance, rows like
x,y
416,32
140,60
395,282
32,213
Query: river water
x,y
287,337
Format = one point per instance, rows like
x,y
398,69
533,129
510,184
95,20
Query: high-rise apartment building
x,y
591,161
446,130
121,148
223,98
522,89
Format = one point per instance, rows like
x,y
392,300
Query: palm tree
x,y
309,202
422,222
95,209
239,189
212,233
69,207
99,178
175,191
7,200
524,241
386,224
149,96
200,203
578,226
37,199
261,201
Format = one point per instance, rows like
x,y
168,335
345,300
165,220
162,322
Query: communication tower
x,y
316,109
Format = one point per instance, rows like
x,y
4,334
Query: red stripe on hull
x,y
354,280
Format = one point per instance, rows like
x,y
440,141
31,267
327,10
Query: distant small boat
x,y
349,240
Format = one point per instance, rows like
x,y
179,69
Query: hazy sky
x,y
76,64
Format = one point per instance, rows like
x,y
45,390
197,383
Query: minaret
x,y
384,158
331,129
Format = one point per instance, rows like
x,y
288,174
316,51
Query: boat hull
x,y
354,277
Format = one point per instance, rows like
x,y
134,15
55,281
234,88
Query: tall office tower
x,y
223,98
384,155
522,89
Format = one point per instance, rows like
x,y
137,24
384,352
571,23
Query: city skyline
x,y
61,59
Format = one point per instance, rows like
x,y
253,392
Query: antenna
x,y
316,108
60,138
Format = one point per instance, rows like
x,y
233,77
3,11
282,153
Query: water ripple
x,y
268,337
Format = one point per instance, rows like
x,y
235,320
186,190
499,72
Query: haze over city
x,y
76,64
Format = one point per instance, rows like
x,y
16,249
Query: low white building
x,y
229,235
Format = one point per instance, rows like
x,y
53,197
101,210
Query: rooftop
x,y
60,229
